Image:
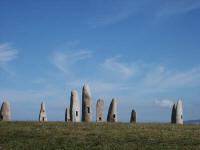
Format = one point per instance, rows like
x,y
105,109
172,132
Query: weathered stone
x,y
43,114
99,111
5,114
173,116
179,113
86,104
112,112
74,107
133,118
67,115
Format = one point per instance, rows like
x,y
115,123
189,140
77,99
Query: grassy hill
x,y
97,136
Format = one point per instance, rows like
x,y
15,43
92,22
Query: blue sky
x,y
144,53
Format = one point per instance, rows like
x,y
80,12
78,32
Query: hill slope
x,y
192,122
98,136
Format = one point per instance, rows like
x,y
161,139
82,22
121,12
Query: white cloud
x,y
164,103
172,7
64,60
60,61
140,78
120,69
115,74
109,12
7,53
185,78
80,55
160,79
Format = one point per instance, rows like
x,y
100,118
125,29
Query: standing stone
x,y
134,118
5,114
112,112
74,107
179,113
86,104
43,114
67,115
99,110
173,117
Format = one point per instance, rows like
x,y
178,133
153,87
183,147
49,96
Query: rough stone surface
x,y
86,104
99,111
67,115
5,114
133,118
43,114
179,113
173,117
112,112
74,107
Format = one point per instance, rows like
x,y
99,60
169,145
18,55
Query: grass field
x,y
98,136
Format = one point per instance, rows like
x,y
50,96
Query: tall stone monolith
x,y
86,104
112,112
67,115
179,113
173,116
133,118
74,107
99,110
43,114
5,114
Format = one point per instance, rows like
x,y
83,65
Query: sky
x,y
145,53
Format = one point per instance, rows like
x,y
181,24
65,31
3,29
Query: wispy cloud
x,y
164,103
123,70
144,78
172,7
110,12
65,58
60,61
140,78
7,53
161,79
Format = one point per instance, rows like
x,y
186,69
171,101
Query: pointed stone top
x,y
86,86
100,99
5,106
114,99
86,90
133,110
74,95
179,101
174,106
43,105
5,102
74,92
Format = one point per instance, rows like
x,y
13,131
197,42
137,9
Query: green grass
x,y
97,136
